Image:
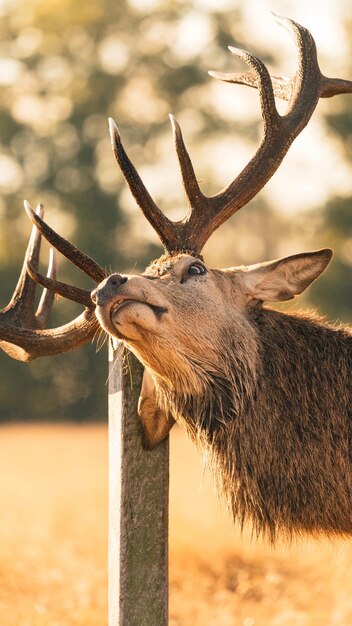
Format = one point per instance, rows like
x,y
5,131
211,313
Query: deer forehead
x,y
172,268
169,264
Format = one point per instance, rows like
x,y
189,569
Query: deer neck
x,y
285,462
211,392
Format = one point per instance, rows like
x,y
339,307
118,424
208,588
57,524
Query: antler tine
x,y
20,307
307,81
264,85
73,254
282,86
24,344
82,296
196,199
335,86
46,301
308,59
161,224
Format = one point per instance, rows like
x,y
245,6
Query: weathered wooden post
x,y
138,506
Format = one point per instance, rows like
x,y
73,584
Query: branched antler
x,y
22,334
205,213
20,309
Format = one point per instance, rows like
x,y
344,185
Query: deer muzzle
x,y
107,289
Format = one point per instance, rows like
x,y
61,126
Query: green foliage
x,y
333,291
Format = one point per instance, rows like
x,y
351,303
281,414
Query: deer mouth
x,y
123,303
108,314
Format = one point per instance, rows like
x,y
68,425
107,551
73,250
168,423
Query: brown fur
x,y
284,458
267,394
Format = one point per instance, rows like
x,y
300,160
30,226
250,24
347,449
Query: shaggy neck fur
x,y
279,437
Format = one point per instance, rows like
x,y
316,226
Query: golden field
x,y
53,544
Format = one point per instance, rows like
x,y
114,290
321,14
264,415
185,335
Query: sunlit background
x,y
66,66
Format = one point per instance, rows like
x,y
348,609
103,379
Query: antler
x,y
205,213
22,334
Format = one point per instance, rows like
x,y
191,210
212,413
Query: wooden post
x,y
138,507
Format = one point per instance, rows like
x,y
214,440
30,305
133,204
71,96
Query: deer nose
x,y
107,289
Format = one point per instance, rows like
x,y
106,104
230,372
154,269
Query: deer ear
x,y
285,278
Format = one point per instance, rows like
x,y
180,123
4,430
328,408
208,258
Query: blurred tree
x,y
333,291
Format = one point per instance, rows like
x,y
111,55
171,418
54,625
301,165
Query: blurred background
x,y
65,66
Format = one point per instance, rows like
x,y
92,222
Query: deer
x,y
266,393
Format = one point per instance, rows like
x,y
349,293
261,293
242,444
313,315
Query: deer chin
x,y
128,318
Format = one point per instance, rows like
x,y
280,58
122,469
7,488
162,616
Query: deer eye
x,y
196,269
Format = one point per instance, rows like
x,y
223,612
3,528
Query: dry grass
x,y
53,484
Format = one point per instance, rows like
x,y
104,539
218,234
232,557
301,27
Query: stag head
x,y
180,317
